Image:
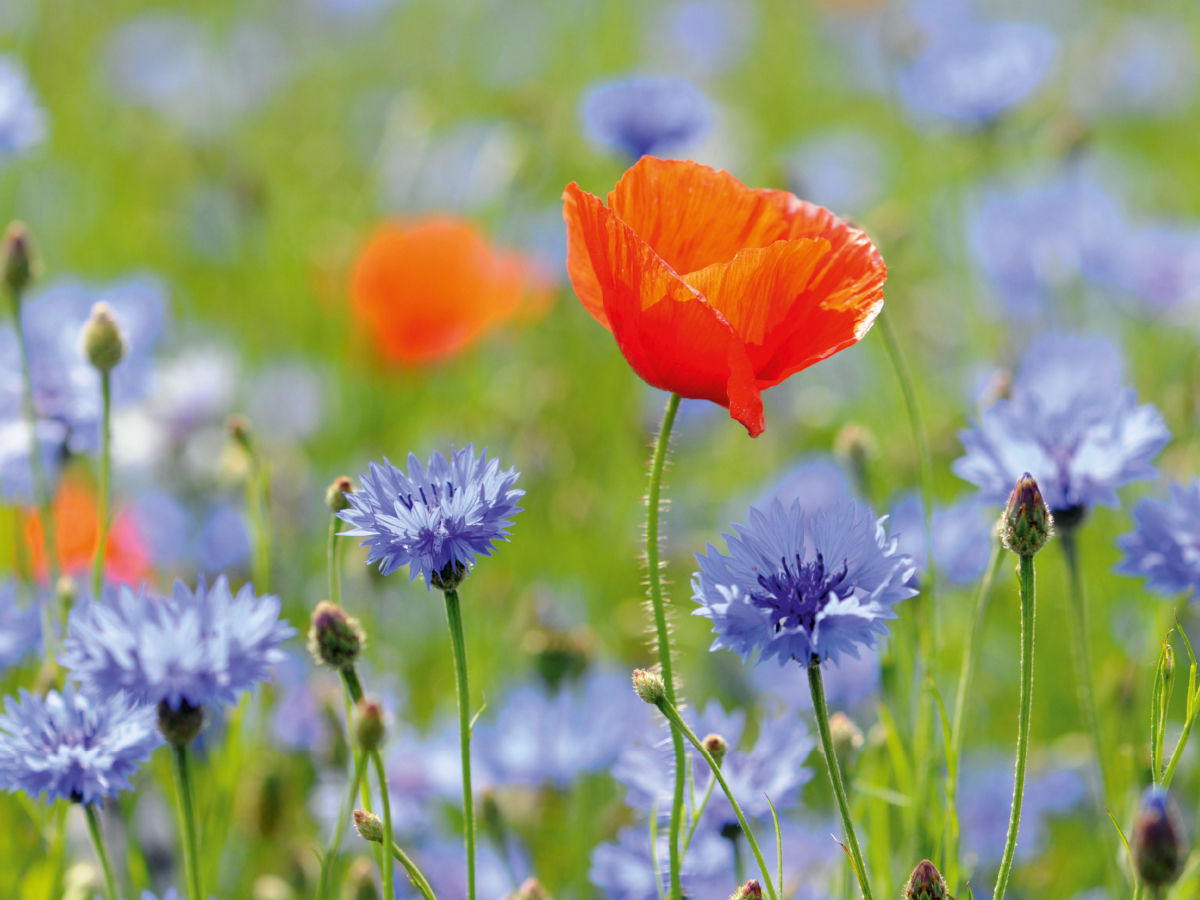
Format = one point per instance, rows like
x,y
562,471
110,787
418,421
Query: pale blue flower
x,y
646,116
1164,548
22,120
20,627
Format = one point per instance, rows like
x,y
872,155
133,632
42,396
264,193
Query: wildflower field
x,y
527,449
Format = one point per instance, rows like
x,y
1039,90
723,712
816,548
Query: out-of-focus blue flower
x,y
847,681
1071,423
22,121
162,525
539,737
285,402
1159,265
795,586
73,746
297,721
223,541
194,388
970,71
818,484
435,517
204,647
66,387
169,895
906,523
170,64
20,627
641,116
985,791
1033,242
1143,66
1164,547
962,536
444,863
840,170
704,36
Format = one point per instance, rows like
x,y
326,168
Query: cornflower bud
x,y
1157,841
558,655
334,638
751,890
240,430
717,747
925,883
103,343
180,726
20,261
368,725
847,737
649,686
1026,524
531,889
361,880
369,826
335,496
857,445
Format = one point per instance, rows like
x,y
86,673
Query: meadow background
x,y
241,154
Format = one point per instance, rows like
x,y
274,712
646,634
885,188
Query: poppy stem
x,y
662,632
821,713
1028,608
93,821
965,678
929,640
459,644
102,499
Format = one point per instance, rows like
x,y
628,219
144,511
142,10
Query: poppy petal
x,y
695,216
579,261
671,336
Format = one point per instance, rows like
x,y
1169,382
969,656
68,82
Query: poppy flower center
x,y
797,593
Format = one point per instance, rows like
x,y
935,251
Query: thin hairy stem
x,y
110,881
327,864
821,712
334,562
389,883
102,500
1028,610
187,819
458,643
414,874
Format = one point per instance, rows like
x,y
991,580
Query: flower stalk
x,y
93,821
663,633
187,818
102,499
458,644
389,884
327,863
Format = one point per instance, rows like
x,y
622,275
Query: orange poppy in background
x,y
75,522
716,291
427,289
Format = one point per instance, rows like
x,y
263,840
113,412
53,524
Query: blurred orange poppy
x,y
75,523
427,289
716,291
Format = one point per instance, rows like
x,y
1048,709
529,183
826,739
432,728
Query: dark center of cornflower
x,y
796,593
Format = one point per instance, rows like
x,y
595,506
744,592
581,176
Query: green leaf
x,y
778,843
1113,819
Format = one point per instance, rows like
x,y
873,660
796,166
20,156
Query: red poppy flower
x,y
75,521
716,291
427,289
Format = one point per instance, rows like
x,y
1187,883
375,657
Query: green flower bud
x,y
368,725
1158,841
180,726
335,496
103,343
847,738
717,747
649,686
1026,524
241,431
369,826
925,883
751,890
334,638
20,261
531,889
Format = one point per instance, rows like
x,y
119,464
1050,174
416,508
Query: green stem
x,y
458,643
1028,610
414,873
966,678
346,811
1079,653
110,880
187,816
697,813
58,848
334,563
354,693
102,500
667,708
389,883
662,632
821,712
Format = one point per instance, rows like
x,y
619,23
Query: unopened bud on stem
x,y
335,496
369,826
1157,842
649,686
368,725
531,889
334,638
925,883
103,343
20,262
1026,525
717,747
751,890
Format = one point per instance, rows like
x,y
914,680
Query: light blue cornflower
x,y
970,71
444,863
704,36
1143,66
202,647
1159,265
646,116
22,120
799,586
962,536
434,519
1071,423
843,170
1164,547
73,746
20,627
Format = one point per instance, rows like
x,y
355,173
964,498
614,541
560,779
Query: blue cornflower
x,y
200,648
1164,548
1159,265
73,746
962,536
444,863
798,586
435,519
641,116
20,627
1144,65
704,36
1070,422
843,170
22,121
970,71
